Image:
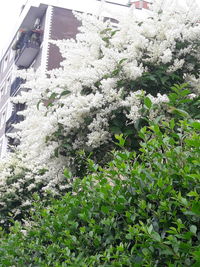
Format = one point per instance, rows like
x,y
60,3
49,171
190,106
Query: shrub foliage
x,y
137,83
113,79
141,210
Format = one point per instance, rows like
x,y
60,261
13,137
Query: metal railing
x,y
16,85
14,118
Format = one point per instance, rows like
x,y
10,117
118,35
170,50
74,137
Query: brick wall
x,y
64,26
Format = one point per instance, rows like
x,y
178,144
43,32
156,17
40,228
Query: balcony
x,y
16,85
27,54
14,118
27,47
12,143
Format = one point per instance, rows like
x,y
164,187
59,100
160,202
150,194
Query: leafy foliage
x,y
17,202
136,206
141,210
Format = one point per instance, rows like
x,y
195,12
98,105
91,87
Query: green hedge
x,y
142,210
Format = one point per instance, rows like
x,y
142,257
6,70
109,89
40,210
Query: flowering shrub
x,y
17,188
110,78
141,210
97,91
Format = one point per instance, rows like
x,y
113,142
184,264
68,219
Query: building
x,y
140,4
30,47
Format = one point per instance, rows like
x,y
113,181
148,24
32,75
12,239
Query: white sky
x,y
9,13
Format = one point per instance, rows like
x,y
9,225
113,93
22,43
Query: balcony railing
x,y
15,118
16,85
12,143
27,47
26,55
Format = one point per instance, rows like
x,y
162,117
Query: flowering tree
x,y
109,74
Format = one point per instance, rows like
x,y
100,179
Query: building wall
x,y
64,25
38,61
6,79
141,4
6,63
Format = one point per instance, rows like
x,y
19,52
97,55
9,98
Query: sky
x,y
9,13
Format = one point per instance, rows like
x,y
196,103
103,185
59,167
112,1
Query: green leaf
x,y
82,229
66,92
196,125
193,194
122,60
196,208
120,139
114,32
53,95
120,248
106,39
185,92
181,112
197,256
172,124
67,173
147,102
105,209
105,30
156,236
150,229
38,104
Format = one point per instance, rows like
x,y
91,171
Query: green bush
x,y
142,210
17,188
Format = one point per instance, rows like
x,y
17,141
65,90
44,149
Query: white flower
x,y
159,99
178,64
167,56
97,138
